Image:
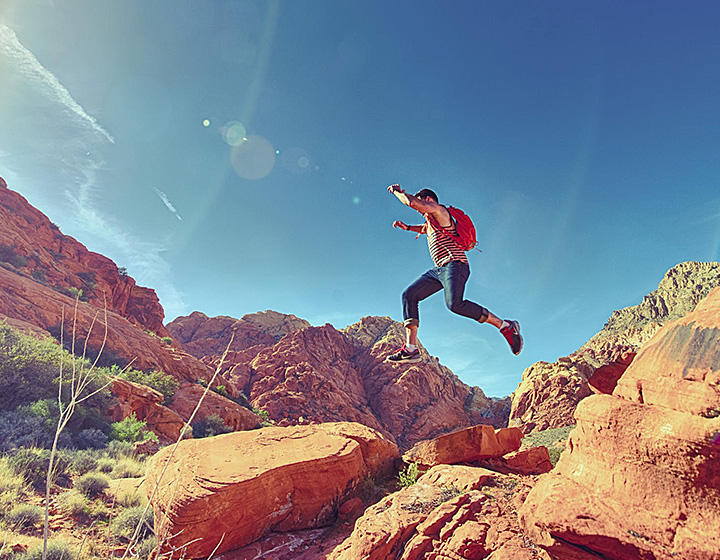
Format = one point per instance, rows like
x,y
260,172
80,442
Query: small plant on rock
x,y
24,516
409,475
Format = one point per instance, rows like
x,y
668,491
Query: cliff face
x,y
549,392
32,245
301,374
640,478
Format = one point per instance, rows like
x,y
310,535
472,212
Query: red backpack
x,y
466,236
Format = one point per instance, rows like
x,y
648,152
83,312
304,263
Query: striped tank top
x,y
443,248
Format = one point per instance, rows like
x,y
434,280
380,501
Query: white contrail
x,y
34,70
166,202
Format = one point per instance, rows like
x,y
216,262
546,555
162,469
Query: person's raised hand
x,y
399,224
395,188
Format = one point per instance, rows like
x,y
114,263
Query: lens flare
x,y
295,160
206,123
253,157
234,133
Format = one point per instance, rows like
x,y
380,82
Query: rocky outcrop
x,y
549,392
320,374
451,512
146,404
465,446
640,478
31,302
204,336
234,415
230,490
32,245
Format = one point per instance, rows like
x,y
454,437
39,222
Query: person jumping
x,y
450,274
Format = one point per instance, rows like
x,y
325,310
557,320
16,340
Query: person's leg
x,y
454,277
423,287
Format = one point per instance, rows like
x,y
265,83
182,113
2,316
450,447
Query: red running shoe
x,y
512,335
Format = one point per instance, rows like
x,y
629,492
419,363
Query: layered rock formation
x,y
549,392
301,374
39,266
641,477
36,247
222,493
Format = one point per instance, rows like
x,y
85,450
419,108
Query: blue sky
x,y
235,155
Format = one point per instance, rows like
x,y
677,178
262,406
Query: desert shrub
x,y
28,368
9,255
13,486
92,484
167,340
127,520
158,380
56,550
106,464
24,516
73,503
33,463
90,438
128,468
20,430
84,462
118,449
145,547
409,475
130,429
210,426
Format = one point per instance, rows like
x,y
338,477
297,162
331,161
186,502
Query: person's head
x,y
425,193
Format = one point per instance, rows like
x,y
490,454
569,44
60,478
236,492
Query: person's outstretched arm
x,y
406,227
422,206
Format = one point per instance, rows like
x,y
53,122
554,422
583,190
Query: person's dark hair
x,y
427,192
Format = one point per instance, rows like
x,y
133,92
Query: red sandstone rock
x,y
234,488
534,460
234,415
549,393
24,299
145,403
640,477
465,446
60,262
431,519
604,379
203,336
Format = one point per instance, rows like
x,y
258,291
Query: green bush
x,y
117,449
128,468
84,462
409,475
128,519
29,368
158,380
92,484
56,550
13,487
130,429
33,465
24,516
145,548
73,503
210,426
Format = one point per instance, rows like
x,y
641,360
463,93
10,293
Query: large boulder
x,y
465,446
230,490
641,476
